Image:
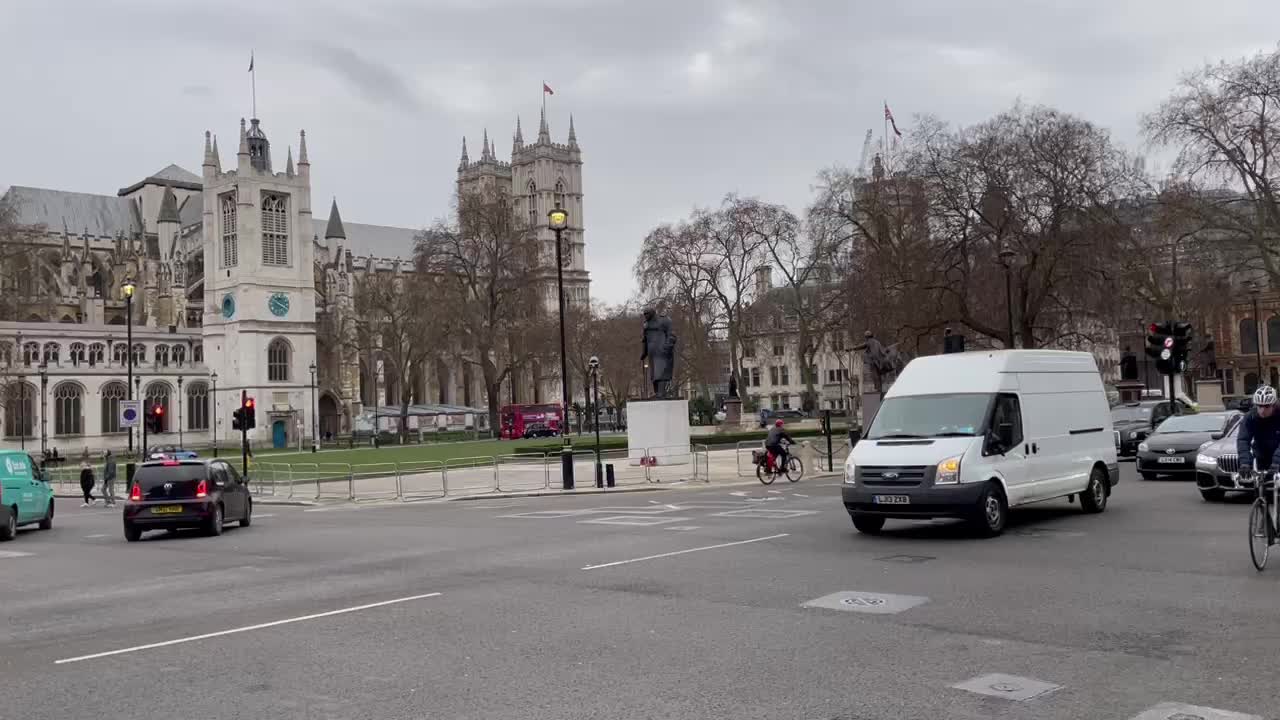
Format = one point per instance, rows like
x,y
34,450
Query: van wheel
x,y
10,527
868,524
47,522
1094,497
1213,494
992,512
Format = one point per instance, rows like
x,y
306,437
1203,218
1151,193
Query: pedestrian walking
x,y
86,480
108,479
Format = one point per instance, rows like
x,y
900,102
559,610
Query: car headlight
x,y
1142,447
1133,434
850,473
1202,459
948,471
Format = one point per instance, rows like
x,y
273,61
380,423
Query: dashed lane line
x,y
683,552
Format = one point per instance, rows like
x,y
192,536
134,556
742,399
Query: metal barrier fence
x,y
456,477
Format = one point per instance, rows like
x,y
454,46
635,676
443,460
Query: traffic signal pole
x,y
244,439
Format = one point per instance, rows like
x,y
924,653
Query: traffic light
x,y
1181,345
155,419
250,419
237,419
1160,346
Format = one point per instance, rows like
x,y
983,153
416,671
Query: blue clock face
x,y
228,306
279,304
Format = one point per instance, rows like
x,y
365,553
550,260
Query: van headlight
x,y
1142,447
948,472
850,473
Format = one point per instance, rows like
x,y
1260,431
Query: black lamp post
x,y
1254,292
137,390
127,288
1006,259
558,220
44,405
314,439
179,404
594,364
213,424
22,411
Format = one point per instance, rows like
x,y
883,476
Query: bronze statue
x,y
659,348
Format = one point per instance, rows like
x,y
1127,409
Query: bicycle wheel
x,y
763,475
1259,534
795,469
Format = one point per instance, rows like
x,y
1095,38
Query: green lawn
x,y
402,453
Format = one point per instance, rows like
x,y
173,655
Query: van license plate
x,y
891,499
1171,460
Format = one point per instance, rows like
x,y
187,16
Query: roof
x,y
191,212
334,228
987,370
382,241
101,215
170,175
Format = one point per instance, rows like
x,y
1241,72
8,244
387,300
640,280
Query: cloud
x,y
370,79
197,90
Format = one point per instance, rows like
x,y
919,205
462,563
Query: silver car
x,y
1216,463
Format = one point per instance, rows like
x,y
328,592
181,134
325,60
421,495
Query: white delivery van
x,y
973,434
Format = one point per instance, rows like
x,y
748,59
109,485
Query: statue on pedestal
x,y
658,347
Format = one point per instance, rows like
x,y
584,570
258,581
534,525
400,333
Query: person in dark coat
x,y
108,479
86,481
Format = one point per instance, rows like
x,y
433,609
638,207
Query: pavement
x,y
736,602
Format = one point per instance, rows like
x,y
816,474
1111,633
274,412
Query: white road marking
x,y
633,520
774,492
249,628
95,537
684,527
682,552
12,554
799,495
264,515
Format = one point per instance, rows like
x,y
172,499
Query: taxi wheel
x,y
47,522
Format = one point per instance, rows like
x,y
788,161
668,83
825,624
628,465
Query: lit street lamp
x,y
558,220
128,288
213,378
314,441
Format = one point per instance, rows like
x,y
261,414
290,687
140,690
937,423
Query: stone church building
x,y
239,288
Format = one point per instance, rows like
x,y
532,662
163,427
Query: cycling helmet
x,y
778,422
1264,395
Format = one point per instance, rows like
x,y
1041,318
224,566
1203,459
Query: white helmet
x,y
1264,395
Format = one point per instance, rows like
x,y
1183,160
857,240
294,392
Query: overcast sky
x,y
675,102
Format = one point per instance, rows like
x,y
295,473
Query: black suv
x,y
175,494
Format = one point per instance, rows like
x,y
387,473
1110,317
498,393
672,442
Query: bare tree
x,y
24,273
1225,121
490,280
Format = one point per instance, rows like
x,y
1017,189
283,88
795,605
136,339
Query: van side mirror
x,y
1000,439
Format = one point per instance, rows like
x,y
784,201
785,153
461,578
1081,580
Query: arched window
x,y
162,356
77,354
18,410
275,230
560,194
68,417
197,353
30,353
197,406
119,354
278,360
1248,337
179,355
139,353
97,354
52,352
112,393
230,247
533,203
1273,335
157,395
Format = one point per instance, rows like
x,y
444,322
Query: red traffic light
x,y
1153,328
248,402
159,410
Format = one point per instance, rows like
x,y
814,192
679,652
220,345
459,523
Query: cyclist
x,y
774,445
1259,435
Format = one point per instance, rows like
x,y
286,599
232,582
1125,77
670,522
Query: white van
x,y
972,434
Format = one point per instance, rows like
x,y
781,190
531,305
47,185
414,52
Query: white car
x,y
973,434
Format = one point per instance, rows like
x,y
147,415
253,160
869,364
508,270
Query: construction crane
x,y
866,152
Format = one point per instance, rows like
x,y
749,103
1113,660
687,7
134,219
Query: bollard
x,y
608,475
599,474
566,467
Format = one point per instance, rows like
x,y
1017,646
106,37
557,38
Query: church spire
x,y
486,153
217,159
288,165
335,230
519,134
244,140
573,135
302,148
465,161
544,133
208,148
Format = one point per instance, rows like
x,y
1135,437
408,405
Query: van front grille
x,y
892,476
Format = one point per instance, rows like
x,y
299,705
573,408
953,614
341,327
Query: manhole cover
x,y
1183,711
863,601
1008,687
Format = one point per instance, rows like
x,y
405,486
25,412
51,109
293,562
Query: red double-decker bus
x,y
525,421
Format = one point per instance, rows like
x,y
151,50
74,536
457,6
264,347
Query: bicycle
x,y
766,473
1263,520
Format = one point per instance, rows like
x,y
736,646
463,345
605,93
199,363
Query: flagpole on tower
x,y
253,81
886,134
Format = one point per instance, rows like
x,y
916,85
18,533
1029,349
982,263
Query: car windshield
x,y
1131,413
924,416
1191,424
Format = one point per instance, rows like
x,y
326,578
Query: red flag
x,y
547,89
889,116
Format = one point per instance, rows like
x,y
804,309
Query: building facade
x,y
239,290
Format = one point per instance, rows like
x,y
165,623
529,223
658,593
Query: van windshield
x,y
927,416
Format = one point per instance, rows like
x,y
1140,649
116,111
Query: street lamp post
x,y
314,439
1254,292
1006,259
558,220
594,363
137,390
128,288
22,411
179,404
213,378
44,405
